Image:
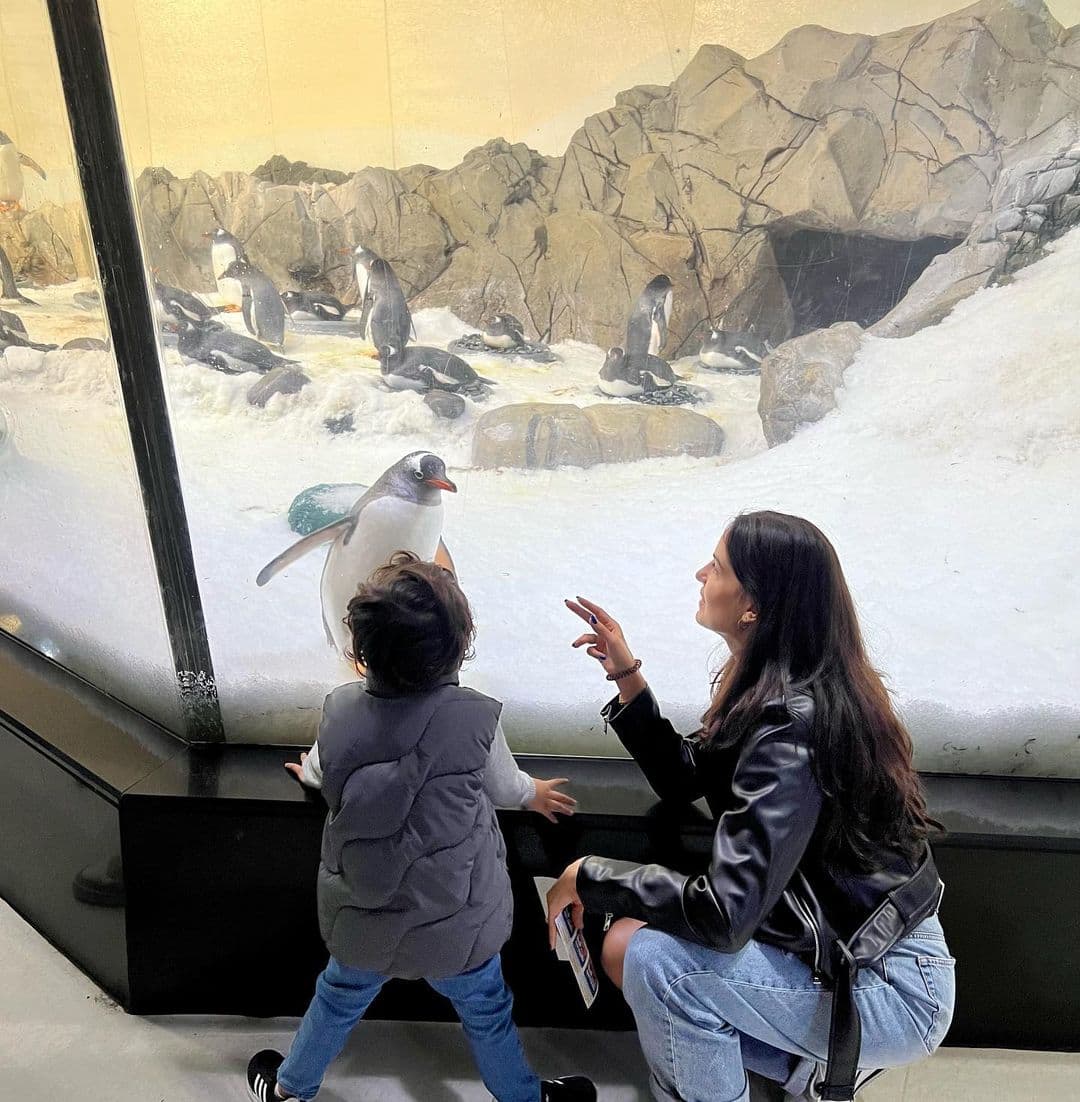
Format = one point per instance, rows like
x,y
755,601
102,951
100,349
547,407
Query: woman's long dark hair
x,y
807,637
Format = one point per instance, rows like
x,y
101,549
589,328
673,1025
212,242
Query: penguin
x,y
9,290
15,337
620,379
313,306
210,343
192,308
657,370
224,249
647,329
11,177
403,510
12,321
733,350
503,331
384,313
422,368
264,312
87,344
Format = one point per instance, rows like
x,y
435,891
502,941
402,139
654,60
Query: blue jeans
x,y
706,1018
481,998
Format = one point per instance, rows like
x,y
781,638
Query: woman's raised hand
x,y
605,640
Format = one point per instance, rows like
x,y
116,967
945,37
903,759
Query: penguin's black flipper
x,y
365,312
322,535
249,313
29,162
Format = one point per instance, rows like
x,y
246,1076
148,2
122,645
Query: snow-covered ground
x,y
946,478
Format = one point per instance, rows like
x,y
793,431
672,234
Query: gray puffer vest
x,y
413,880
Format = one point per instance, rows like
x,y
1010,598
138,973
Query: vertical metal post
x,y
110,207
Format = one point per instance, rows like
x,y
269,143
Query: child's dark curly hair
x,y
411,625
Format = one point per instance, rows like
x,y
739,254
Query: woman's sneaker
x,y
262,1075
570,1088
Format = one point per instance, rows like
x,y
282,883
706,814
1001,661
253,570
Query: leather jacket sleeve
x,y
665,757
757,847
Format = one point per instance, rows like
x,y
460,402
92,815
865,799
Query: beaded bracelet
x,y
618,675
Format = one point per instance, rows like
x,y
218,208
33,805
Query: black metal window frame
x,y
111,212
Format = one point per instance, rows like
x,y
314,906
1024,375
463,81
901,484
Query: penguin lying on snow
x,y
210,343
402,511
623,376
264,312
733,350
422,368
313,306
195,310
503,331
13,335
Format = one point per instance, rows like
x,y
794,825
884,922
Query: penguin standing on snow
x,y
264,312
384,313
224,249
422,368
647,329
402,511
11,175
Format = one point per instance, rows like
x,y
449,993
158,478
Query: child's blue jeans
x,y
481,998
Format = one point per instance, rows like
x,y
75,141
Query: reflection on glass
x,y
567,294
77,581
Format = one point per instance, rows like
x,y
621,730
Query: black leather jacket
x,y
766,877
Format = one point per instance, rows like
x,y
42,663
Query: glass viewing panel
x,y
837,268
77,578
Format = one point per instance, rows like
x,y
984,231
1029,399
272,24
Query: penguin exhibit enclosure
x,y
557,289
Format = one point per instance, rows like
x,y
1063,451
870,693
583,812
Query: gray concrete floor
x,y
61,1038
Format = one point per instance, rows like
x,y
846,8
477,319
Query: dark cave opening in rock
x,y
833,277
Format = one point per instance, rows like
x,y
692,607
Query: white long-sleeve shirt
x,y
506,784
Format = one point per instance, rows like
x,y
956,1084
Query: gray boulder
x,y
281,380
799,379
444,404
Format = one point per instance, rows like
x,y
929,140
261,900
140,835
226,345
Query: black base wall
x,y
219,850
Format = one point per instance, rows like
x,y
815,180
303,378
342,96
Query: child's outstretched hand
x,y
549,801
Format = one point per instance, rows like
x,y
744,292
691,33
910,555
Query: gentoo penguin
x,y
503,331
9,290
212,344
647,329
733,350
16,338
264,312
422,368
619,378
312,306
657,370
402,511
11,177
185,303
12,321
224,249
384,313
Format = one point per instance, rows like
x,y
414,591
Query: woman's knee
x,y
616,943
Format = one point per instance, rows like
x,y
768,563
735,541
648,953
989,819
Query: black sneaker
x,y
813,1088
570,1088
262,1075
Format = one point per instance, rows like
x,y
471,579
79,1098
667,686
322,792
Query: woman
x,y
821,823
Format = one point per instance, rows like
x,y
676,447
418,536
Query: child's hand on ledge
x,y
549,801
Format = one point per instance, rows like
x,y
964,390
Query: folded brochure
x,y
570,945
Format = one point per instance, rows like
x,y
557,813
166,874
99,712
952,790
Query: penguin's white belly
x,y
719,359
620,388
386,525
404,382
231,291
305,315
505,341
361,294
11,179
221,256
